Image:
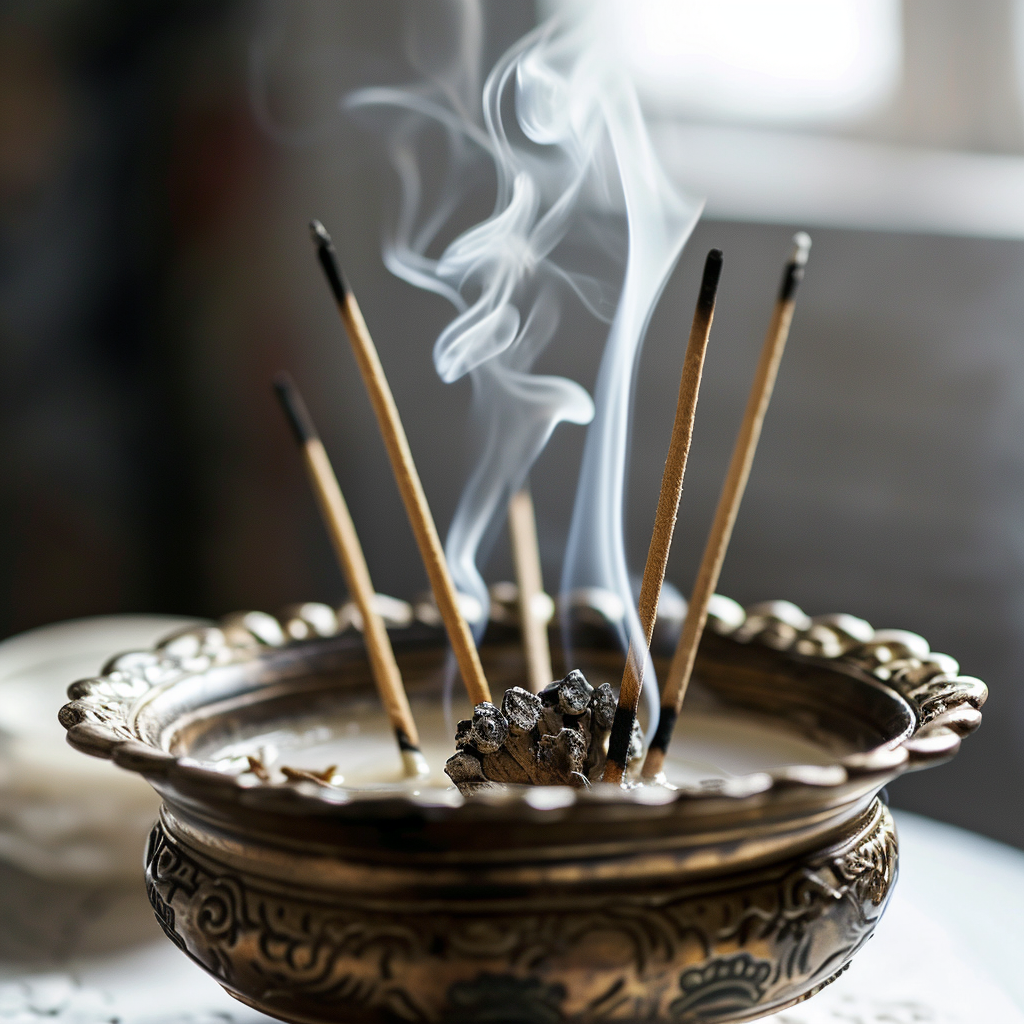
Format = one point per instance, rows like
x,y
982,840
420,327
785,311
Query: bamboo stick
x,y
404,469
728,507
346,545
526,555
664,518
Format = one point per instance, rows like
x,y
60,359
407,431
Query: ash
x,y
558,737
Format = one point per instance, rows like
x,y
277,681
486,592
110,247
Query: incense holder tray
x,y
709,903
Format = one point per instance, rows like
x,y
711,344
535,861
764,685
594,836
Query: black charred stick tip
x,y
295,409
709,282
794,272
621,737
319,235
666,726
404,743
328,260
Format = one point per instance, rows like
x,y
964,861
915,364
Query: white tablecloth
x,y
949,947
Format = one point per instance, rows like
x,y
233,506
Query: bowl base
x,y
721,948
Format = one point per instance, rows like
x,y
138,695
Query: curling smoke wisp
x,y
582,211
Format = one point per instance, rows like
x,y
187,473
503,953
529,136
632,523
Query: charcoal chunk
x,y
561,755
489,730
464,769
574,693
603,706
558,737
521,708
462,733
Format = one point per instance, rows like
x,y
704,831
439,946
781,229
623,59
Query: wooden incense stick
x,y
346,544
404,468
728,506
526,555
664,519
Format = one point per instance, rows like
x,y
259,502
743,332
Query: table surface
x,y
947,951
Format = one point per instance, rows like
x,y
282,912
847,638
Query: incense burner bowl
x,y
708,903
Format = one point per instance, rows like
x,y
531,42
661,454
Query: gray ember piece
x,y
462,733
603,706
556,738
464,769
489,729
574,693
521,708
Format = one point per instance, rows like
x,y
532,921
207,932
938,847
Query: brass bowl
x,y
720,902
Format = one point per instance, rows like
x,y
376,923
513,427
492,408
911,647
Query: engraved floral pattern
x,y
723,987
693,953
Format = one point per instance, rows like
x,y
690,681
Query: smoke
x,y
582,210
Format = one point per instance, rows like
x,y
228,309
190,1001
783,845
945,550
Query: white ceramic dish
x,y
62,815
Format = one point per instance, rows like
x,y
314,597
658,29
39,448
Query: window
x,y
766,61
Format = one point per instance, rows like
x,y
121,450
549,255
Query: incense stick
x,y
526,555
404,468
664,518
346,545
728,506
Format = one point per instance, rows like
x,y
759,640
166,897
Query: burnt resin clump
x,y
558,737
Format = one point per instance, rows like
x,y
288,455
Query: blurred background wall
x,y
159,164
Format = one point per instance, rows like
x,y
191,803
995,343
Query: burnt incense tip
x,y
295,410
415,764
402,737
801,248
413,761
794,272
709,282
666,727
328,260
319,234
621,734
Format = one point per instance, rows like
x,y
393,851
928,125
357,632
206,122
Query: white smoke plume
x,y
581,207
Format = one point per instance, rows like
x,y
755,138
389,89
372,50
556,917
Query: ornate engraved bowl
x,y
712,902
